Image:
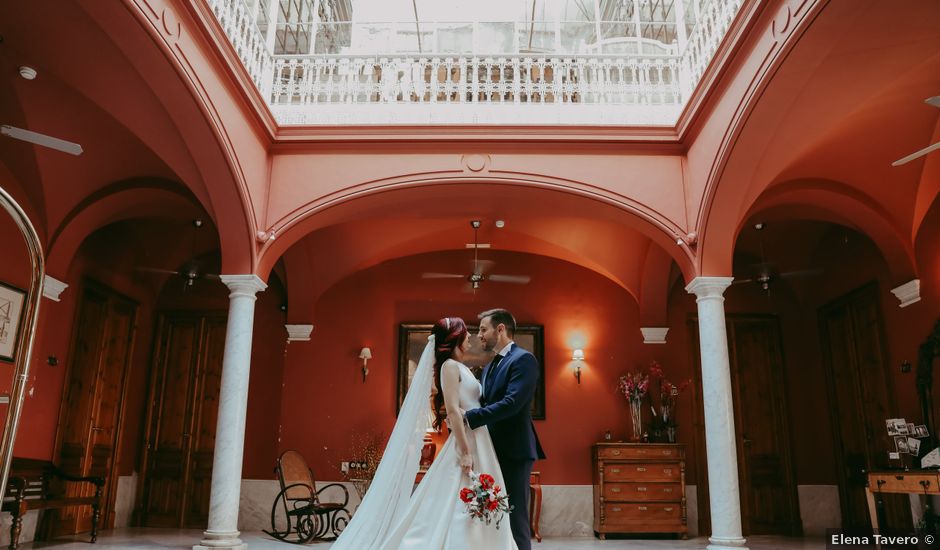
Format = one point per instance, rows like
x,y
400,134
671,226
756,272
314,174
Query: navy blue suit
x,y
506,402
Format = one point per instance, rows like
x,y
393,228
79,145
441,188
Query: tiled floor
x,y
154,539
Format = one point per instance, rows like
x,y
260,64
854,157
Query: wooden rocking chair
x,y
307,518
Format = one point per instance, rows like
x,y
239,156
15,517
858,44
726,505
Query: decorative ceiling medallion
x,y
475,162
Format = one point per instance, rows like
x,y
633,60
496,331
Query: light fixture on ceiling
x,y
41,139
28,73
500,224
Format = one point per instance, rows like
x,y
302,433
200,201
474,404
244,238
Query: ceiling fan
x,y
935,101
191,271
41,139
477,275
766,273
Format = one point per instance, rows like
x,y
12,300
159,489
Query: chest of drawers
x,y
639,488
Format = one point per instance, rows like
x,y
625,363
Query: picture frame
x,y
12,300
413,337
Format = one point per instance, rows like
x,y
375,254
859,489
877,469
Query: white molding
x,y
708,287
654,335
908,293
243,285
52,288
298,333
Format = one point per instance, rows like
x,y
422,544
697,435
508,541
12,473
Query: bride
x,y
390,517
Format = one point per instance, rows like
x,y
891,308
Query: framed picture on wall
x,y
413,337
11,311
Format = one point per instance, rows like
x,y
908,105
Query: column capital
x,y
243,285
654,335
708,287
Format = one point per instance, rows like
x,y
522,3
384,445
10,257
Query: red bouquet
x,y
485,500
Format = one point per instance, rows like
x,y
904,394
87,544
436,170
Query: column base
x,y
722,543
218,540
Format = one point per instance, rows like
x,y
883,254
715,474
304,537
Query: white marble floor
x,y
154,539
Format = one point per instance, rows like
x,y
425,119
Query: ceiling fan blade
x,y
211,276
158,270
442,276
481,266
515,279
742,281
935,101
801,273
918,154
41,139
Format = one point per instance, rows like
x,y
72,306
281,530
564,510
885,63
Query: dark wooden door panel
x,y
184,406
768,487
95,386
860,395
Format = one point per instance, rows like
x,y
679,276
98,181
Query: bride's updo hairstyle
x,y
449,333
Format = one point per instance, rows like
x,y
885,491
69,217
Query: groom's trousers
x,y
516,474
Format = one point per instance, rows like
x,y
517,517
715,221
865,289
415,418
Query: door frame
x,y
698,421
107,509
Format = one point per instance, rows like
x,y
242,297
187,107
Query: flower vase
x,y
636,419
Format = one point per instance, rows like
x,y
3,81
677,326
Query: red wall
x,y
325,399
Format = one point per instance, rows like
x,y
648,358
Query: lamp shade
x,y
366,353
578,355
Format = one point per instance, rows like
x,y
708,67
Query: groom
x,y
508,387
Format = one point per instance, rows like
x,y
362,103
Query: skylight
x,y
604,62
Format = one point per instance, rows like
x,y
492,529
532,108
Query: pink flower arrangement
x,y
634,385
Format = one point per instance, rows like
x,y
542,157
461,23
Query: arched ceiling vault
x,y
585,232
845,102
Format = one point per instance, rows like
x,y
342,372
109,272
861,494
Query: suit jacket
x,y
506,406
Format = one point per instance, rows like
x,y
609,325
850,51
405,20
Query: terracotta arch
x,y
393,192
832,201
120,201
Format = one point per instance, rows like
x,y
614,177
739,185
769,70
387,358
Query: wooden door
x,y
767,484
860,399
90,418
181,421
769,499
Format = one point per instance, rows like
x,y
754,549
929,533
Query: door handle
x,y
97,429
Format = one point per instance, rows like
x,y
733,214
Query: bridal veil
x,y
387,498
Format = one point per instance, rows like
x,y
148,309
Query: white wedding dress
x,y
391,517
436,519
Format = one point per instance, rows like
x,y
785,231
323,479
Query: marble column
x,y
723,491
233,406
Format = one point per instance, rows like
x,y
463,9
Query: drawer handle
x,y
615,470
642,508
641,489
641,451
615,509
667,489
667,452
668,508
615,489
640,469
667,470
616,452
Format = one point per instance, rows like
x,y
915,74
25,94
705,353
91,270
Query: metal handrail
x,y
26,336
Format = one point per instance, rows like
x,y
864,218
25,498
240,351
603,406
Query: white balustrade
x,y
396,87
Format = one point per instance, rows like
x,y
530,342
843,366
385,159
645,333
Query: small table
x,y
535,501
920,482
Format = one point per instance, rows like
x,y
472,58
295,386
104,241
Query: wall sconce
x,y
577,357
365,355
